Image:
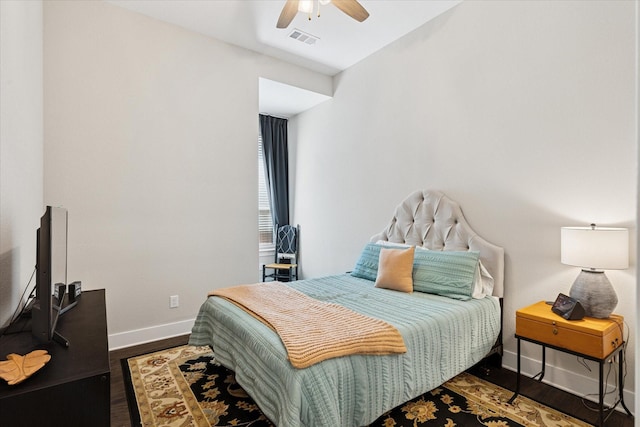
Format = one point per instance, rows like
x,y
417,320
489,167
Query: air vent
x,y
303,37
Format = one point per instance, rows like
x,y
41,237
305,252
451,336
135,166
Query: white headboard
x,y
429,218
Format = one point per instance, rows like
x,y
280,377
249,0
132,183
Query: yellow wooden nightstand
x,y
593,339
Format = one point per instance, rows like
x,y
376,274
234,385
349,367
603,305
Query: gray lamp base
x,y
595,293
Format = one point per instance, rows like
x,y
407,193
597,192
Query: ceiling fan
x,y
291,7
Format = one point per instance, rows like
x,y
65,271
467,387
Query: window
x,y
265,222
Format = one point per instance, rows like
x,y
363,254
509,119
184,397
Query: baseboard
x,y
569,381
152,333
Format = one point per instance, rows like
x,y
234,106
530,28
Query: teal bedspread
x,y
443,338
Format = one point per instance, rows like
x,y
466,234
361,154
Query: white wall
x,y
151,144
523,112
637,91
20,147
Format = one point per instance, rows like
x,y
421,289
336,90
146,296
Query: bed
x,y
444,334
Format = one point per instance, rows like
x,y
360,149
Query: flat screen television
x,y
51,275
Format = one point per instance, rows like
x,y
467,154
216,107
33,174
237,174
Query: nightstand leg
x,y
517,378
621,379
544,365
601,396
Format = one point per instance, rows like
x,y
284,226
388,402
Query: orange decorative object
x,y
18,368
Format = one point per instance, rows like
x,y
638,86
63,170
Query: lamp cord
x,y
616,385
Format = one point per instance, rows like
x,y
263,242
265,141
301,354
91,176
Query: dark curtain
x,y
276,161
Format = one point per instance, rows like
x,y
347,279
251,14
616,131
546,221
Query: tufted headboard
x,y
430,219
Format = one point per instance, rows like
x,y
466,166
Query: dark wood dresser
x,y
73,389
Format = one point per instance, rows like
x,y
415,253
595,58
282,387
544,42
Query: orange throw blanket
x,y
313,330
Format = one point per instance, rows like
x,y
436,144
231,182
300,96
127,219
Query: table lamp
x,y
595,249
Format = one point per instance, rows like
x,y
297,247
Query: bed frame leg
x,y
486,365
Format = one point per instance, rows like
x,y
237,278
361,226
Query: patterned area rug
x,y
185,386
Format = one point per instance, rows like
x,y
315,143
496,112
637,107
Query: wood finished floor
x,y
543,393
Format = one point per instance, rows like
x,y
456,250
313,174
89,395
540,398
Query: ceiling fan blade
x,y
288,12
352,8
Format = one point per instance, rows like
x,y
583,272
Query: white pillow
x,y
482,283
392,244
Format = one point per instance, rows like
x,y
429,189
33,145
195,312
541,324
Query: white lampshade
x,y
593,247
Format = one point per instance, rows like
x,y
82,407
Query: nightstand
x,y
593,339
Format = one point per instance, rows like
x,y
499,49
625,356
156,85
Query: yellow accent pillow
x,y
395,268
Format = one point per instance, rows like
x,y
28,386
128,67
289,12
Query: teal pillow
x,y
367,265
447,273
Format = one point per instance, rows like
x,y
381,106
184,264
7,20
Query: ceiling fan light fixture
x,y
305,6
292,7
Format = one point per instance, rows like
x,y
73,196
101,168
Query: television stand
x,y
56,336
60,339
66,308
73,389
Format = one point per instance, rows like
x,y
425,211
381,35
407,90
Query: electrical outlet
x,y
174,302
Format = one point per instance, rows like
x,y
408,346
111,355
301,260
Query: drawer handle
x,y
555,331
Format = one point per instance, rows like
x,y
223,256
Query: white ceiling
x,y
252,24
283,100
